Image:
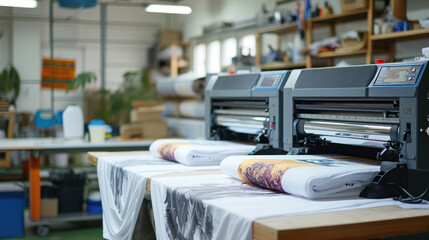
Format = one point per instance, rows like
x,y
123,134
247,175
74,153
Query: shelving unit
x,y
279,31
331,21
10,118
388,41
179,64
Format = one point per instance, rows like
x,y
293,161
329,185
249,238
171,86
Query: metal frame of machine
x,y
247,107
372,111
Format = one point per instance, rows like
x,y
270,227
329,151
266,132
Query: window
x,y
213,58
199,59
229,50
248,45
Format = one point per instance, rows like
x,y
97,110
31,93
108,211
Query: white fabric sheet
x,y
218,207
197,152
331,178
122,182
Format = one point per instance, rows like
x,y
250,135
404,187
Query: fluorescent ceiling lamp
x,y
174,9
18,3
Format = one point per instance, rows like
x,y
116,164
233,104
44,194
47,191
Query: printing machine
x,y
247,107
373,111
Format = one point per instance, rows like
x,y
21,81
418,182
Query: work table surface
x,y
62,144
351,224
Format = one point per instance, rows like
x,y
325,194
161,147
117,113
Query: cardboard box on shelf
x,y
49,207
146,130
168,37
349,5
155,130
144,114
131,130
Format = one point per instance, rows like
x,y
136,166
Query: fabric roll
x,y
197,152
166,87
184,85
308,176
172,108
192,109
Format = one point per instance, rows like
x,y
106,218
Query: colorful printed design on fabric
x,y
166,150
268,173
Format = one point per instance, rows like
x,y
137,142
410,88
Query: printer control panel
x,y
269,81
398,75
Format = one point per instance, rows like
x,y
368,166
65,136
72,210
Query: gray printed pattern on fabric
x,y
186,214
118,177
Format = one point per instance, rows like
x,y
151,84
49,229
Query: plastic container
x,y
97,131
44,119
60,160
11,211
73,122
94,203
69,188
77,3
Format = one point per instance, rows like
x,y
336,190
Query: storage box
x,y
155,130
348,5
131,130
11,211
168,37
49,207
145,114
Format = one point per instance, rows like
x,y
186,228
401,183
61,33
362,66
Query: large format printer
x,y
247,107
371,111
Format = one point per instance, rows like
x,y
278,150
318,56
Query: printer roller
x,y
241,124
337,129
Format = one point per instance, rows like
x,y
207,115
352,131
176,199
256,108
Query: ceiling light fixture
x,y
18,3
173,9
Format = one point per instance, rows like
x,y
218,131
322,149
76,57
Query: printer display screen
x,y
396,75
268,81
400,75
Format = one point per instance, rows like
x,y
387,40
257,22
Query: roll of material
x,y
172,108
241,124
365,131
192,109
185,85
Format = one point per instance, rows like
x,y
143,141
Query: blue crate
x,y
94,206
11,212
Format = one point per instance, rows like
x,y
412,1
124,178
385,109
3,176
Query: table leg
x,y
34,179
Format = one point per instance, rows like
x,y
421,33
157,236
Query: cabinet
x,y
388,41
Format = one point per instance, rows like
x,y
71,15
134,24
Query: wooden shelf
x,y
340,54
281,65
405,35
342,17
287,27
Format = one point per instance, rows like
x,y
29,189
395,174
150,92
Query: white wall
x,y
130,32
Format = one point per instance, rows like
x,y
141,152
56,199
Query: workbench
x,y
364,223
38,146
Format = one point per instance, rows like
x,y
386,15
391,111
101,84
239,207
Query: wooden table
x,y
377,222
38,146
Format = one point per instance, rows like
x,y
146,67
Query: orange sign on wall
x,y
57,73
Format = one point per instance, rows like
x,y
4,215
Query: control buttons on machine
x,y
413,69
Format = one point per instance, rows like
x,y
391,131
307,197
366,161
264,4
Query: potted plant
x,y
10,83
81,80
136,86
